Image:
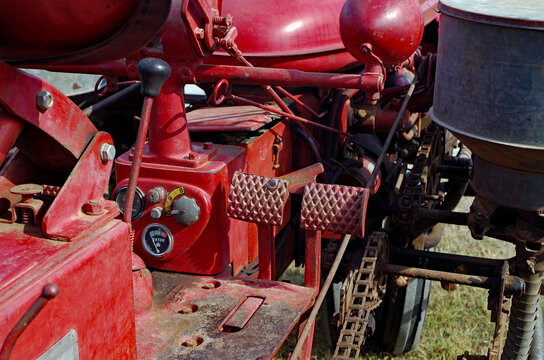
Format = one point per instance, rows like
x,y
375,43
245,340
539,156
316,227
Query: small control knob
x,y
153,73
156,213
185,210
156,194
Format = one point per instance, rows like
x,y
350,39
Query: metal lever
x,y
153,73
49,291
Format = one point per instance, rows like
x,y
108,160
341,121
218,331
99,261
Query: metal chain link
x,y
363,301
417,182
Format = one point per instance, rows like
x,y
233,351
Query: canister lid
x,y
527,14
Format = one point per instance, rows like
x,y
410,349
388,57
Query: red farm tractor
x,y
140,219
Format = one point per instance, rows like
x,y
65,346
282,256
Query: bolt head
x,y
107,152
44,100
199,32
208,145
94,207
156,213
192,155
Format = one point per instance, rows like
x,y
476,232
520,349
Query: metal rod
x,y
292,97
392,132
321,297
287,115
444,216
137,159
512,284
285,77
109,101
49,291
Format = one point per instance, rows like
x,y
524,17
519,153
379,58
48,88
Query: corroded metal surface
x,y
257,199
335,208
169,331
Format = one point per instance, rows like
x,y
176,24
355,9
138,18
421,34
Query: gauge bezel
x,y
139,193
146,247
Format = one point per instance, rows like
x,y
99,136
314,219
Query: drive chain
x,y
364,299
419,180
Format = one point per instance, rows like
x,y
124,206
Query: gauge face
x,y
157,240
138,206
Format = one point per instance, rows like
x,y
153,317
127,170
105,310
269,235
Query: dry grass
x,y
456,321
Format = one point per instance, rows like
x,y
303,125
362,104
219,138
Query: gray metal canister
x,y
489,92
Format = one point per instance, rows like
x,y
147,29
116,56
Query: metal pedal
x,y
336,208
257,199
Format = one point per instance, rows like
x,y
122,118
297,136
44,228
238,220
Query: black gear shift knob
x,y
153,73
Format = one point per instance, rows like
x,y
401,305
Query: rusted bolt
x,y
199,32
44,100
210,285
186,309
94,207
107,152
192,155
448,286
401,281
208,145
191,341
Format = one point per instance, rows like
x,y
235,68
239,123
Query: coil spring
x,y
132,240
26,216
523,319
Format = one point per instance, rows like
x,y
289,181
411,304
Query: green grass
x,y
456,322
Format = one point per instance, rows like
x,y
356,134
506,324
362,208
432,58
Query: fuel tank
x,y
296,34
83,31
489,92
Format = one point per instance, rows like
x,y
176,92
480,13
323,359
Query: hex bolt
x,y
199,32
107,152
156,213
192,155
94,207
208,145
44,100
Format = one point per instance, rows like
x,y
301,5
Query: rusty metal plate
x,y
257,199
185,321
335,208
228,118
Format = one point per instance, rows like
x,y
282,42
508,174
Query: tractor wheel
x,y
402,316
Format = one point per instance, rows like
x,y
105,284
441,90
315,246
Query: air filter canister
x,y
489,92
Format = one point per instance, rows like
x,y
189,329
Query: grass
x,y
456,322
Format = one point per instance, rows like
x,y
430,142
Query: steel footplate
x,y
257,199
336,208
203,318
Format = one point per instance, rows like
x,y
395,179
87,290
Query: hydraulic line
x,y
523,315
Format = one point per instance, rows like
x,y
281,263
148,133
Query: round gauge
x,y
157,240
138,206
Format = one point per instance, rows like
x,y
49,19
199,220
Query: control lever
x,y
49,291
153,73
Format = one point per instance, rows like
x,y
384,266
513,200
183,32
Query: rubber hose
x,y
523,313
537,347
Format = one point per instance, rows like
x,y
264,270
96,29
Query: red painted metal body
x,y
196,292
101,264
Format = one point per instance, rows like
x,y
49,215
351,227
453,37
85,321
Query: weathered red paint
x,y
10,127
103,291
65,218
71,135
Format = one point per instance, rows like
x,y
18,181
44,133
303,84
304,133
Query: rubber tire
x,y
402,317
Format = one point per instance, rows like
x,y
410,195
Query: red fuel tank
x,y
299,34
